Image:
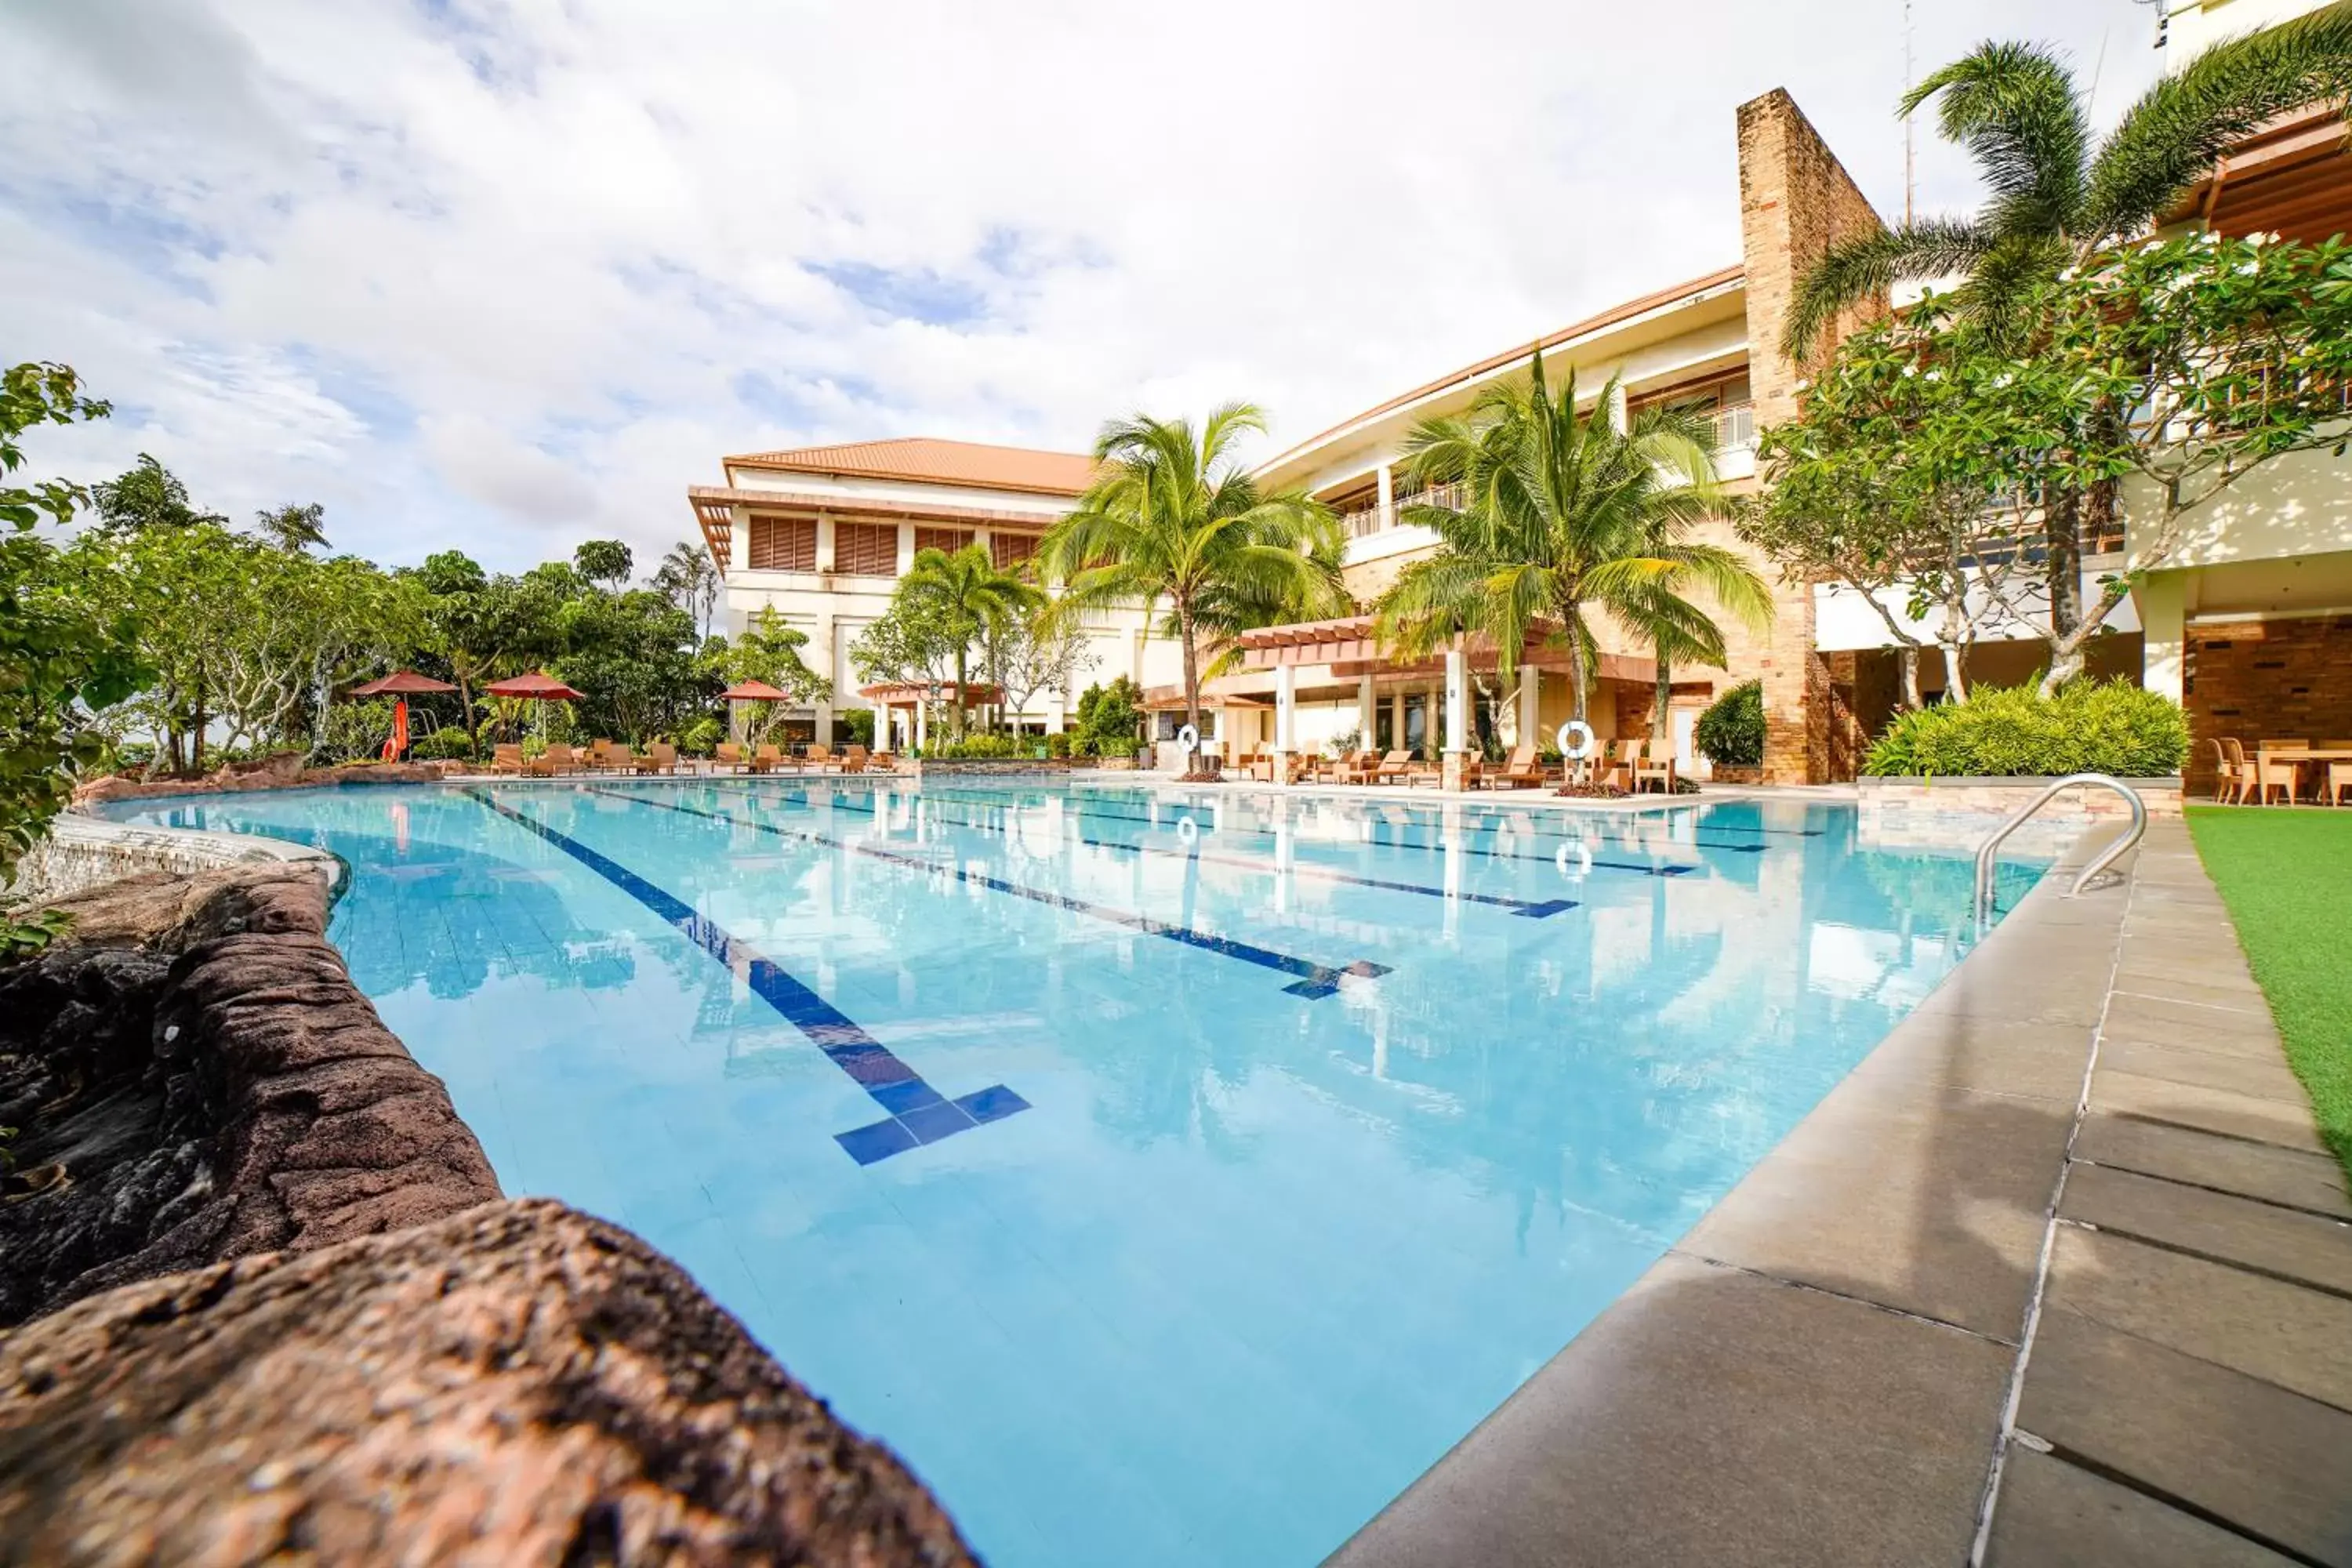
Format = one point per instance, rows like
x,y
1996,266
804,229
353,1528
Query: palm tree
x,y
1680,632
2060,194
1177,526
1561,510
689,579
969,594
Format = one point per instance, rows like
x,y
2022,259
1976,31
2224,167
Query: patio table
x,y
2272,751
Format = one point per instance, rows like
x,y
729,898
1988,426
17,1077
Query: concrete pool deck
x,y
2061,1273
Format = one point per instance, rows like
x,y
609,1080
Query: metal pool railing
x,y
2099,862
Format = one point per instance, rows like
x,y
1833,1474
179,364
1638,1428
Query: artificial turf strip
x,y
2287,877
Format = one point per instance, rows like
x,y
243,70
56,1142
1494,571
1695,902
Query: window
x,y
948,539
1009,550
868,549
783,544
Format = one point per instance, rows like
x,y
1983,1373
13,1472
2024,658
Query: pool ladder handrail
x,y
2099,862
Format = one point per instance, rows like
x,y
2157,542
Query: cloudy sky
x,y
505,274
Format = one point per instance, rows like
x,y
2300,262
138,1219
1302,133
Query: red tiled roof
x,y
921,457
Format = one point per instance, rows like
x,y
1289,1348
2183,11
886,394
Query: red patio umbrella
x,y
538,684
754,691
401,684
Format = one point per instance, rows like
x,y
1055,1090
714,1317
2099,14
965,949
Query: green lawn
x,y
2286,876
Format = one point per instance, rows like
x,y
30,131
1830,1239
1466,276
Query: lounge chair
x,y
1658,769
1358,769
727,754
610,756
1523,771
820,756
1623,757
661,757
506,759
1395,767
1473,770
556,759
766,759
852,760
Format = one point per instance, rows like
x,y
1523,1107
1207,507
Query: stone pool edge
x,y
1839,1363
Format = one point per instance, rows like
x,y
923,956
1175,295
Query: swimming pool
x,y
1168,1178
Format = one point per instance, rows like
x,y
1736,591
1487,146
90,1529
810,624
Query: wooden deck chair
x,y
765,760
730,756
1659,770
1395,767
853,759
1523,771
506,759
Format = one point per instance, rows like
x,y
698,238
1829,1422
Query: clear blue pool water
x,y
1168,1179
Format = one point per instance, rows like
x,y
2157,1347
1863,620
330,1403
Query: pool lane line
x,y
1486,820
1534,909
1648,870
919,1115
1315,980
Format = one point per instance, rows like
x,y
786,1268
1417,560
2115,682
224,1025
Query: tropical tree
x,y
769,650
689,579
147,495
292,527
1177,526
1563,511
2061,195
604,561
64,655
967,595
1677,630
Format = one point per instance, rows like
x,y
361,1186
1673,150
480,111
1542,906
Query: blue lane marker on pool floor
x,y
920,1114
1315,980
1534,909
1660,869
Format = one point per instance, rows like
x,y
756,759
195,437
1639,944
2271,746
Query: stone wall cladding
x,y
1898,812
1796,201
2287,679
276,772
519,1383
195,1077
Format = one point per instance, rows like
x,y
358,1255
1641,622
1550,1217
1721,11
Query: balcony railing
x,y
1735,427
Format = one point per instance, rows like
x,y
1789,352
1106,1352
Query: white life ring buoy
x,y
1584,748
1583,858
1187,829
1188,740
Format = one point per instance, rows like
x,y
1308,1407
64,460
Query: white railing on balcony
x,y
1735,427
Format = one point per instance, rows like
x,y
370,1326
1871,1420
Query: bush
x,y
356,732
702,737
856,727
976,748
1111,718
1731,730
2111,727
1057,746
447,744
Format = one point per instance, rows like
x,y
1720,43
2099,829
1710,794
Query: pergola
x,y
890,697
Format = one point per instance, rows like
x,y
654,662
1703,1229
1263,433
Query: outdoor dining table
x,y
2299,753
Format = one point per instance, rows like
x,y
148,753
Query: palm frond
x,y
1861,269
2169,140
2014,107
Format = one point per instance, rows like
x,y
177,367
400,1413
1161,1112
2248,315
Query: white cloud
x,y
505,275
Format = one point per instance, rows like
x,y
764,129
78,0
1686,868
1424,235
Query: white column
x,y
1057,719
1530,706
824,556
1388,497
921,707
905,549
2163,624
1368,705
1286,707
1457,701
1618,420
1396,721
739,539
821,645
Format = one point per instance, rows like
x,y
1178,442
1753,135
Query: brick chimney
x,y
1796,201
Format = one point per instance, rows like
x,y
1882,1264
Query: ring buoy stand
x,y
1188,740
1583,747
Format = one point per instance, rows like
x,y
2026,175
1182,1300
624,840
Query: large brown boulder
x,y
194,1079
518,1384
283,771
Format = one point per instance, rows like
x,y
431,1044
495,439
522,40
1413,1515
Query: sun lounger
x,y
661,757
506,759
766,760
556,759
1524,770
1395,768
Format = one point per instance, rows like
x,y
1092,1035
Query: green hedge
x,y
2112,726
448,743
1731,730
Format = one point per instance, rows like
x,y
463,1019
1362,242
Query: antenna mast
x,y
1910,177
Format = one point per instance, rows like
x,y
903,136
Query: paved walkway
x,y
2060,1274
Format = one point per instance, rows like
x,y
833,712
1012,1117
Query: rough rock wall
x,y
518,1385
194,1077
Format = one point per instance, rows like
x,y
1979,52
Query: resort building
x,y
2250,626
821,535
